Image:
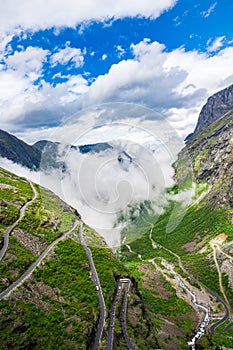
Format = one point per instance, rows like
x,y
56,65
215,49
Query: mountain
x,y
30,156
208,158
50,292
95,147
53,146
190,249
40,145
217,105
178,274
18,151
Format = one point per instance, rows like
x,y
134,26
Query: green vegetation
x,y
15,192
213,341
69,308
137,219
190,240
58,308
107,266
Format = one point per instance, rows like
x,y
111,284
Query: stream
x,y
128,246
205,322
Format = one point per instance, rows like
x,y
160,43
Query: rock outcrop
x,y
208,157
217,105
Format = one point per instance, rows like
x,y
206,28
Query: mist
x,y
137,166
102,185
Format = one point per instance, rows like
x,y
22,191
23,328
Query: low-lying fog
x,y
101,185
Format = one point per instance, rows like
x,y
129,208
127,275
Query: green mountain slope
x,y
199,250
208,158
57,306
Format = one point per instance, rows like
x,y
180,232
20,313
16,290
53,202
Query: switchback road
x,y
26,274
11,228
95,279
110,335
123,315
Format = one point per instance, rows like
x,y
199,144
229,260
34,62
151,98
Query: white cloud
x,y
208,12
27,62
177,21
216,44
17,87
73,56
41,14
120,51
104,57
165,81
4,41
175,83
21,101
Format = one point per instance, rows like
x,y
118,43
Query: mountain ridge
x,y
19,151
216,106
209,157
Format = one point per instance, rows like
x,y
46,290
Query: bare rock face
x,y
30,242
208,157
217,105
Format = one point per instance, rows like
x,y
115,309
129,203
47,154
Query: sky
x,y
60,58
135,73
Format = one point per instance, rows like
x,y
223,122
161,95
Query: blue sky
x,y
57,59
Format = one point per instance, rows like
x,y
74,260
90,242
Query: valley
x,y
169,285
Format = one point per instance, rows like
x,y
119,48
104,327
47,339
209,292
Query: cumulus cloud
x,y
70,55
162,80
42,14
35,105
27,62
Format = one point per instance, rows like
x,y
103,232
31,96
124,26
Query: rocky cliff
x,y
208,157
216,106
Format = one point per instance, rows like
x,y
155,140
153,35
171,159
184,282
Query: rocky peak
x,y
217,105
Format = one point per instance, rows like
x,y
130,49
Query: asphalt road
x,y
26,274
96,281
227,311
123,314
228,327
11,228
110,335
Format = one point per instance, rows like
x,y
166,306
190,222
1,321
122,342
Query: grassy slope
x,y
190,239
200,225
57,307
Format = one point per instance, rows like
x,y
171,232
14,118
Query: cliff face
x,y
216,106
208,157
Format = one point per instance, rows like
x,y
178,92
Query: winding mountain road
x,y
227,311
226,316
27,273
95,279
110,335
123,314
21,215
213,246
